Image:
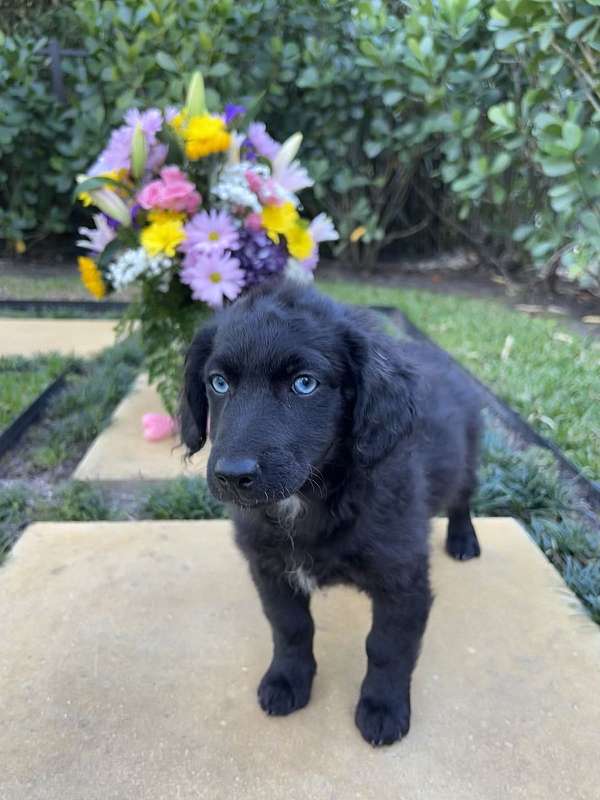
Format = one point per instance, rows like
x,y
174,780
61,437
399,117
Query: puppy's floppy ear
x,y
386,395
193,412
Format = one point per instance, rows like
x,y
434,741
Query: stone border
x,y
11,435
53,305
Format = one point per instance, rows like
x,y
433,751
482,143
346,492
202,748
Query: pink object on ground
x,y
158,426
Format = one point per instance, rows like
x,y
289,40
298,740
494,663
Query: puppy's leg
x,y
461,542
287,683
399,618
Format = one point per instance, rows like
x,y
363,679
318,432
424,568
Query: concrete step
x,y
130,653
79,337
121,454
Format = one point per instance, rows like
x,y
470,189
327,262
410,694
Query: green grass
x,y
22,380
550,375
43,287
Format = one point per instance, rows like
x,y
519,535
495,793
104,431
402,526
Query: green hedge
x,y
481,115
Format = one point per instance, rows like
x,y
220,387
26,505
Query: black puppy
x,y
334,444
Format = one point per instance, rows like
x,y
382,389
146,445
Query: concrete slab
x,y
80,337
121,453
131,651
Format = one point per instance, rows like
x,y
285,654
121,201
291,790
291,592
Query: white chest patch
x,y
302,580
288,510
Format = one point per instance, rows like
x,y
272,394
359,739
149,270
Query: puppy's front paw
x,y
280,693
381,722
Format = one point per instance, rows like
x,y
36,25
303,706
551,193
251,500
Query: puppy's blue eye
x,y
219,384
304,384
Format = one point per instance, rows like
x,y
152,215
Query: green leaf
x,y
97,182
166,62
391,97
506,38
555,167
500,163
373,149
571,135
578,26
308,78
219,70
503,115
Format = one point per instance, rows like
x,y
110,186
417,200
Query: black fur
x,y
388,439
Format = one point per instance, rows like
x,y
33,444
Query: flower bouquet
x,y
194,210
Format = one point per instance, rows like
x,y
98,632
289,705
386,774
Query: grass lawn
x,y
59,287
22,380
48,287
546,372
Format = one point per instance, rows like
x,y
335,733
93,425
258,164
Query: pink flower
x,y
212,231
212,277
171,192
265,189
253,222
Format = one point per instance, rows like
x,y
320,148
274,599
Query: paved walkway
x,y
130,653
80,337
121,453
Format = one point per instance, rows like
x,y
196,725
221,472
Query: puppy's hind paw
x,y
463,546
462,543
381,723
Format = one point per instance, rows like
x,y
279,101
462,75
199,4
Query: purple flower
x,y
232,111
210,231
96,239
259,257
150,120
260,140
247,151
117,154
212,277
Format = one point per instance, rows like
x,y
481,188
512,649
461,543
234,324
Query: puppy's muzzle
x,y
237,477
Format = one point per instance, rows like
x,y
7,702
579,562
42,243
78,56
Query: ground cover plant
x,y
76,415
22,380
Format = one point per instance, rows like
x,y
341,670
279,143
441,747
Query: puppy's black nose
x,y
236,473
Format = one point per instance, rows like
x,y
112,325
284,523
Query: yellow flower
x,y
300,243
278,220
204,135
160,216
91,277
357,233
162,237
177,122
20,246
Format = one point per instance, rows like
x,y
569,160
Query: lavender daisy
x,y
210,232
212,277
